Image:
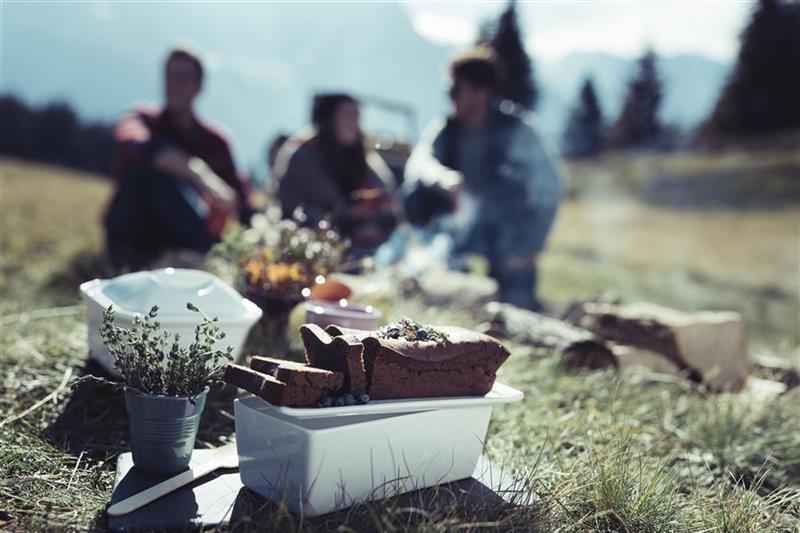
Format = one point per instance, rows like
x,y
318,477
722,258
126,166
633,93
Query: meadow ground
x,y
593,451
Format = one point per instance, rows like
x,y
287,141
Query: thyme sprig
x,y
154,361
408,329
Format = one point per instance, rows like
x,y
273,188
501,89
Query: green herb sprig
x,y
408,329
153,360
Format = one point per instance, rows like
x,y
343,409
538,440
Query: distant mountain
x,y
265,60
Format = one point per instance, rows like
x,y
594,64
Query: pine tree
x,y
54,131
583,136
16,133
638,123
516,69
761,95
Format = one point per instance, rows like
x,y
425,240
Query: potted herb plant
x,y
166,383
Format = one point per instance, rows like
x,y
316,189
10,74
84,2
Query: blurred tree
x,y
583,135
517,82
94,147
54,131
638,123
762,91
54,134
17,120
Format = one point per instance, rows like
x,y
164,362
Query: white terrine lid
x,y
500,393
170,289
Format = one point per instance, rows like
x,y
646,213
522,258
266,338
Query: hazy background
x,y
265,60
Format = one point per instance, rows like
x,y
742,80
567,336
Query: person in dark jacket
x,y
329,172
177,183
488,156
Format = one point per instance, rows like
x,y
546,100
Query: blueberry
x,y
349,399
339,402
422,334
325,401
363,398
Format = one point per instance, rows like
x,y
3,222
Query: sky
x,y
554,28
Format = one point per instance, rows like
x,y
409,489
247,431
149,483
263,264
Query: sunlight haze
x,y
621,27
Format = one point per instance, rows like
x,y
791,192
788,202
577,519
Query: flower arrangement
x,y
153,361
275,260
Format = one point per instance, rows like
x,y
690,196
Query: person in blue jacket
x,y
488,156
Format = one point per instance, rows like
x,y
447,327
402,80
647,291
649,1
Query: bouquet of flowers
x,y
275,262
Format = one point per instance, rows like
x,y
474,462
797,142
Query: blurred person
x,y
273,150
329,172
487,156
177,184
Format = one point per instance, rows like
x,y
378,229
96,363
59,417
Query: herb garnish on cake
x,y
409,330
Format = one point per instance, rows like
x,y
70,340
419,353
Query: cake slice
x,y
298,374
245,378
343,354
274,390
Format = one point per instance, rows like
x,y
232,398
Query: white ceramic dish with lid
x,y
324,459
170,289
343,314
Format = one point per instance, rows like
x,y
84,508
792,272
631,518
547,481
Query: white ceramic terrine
x,y
321,460
170,289
342,314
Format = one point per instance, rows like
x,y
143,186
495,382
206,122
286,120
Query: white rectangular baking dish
x,y
170,289
321,460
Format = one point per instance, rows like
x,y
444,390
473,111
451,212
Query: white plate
x,y
499,394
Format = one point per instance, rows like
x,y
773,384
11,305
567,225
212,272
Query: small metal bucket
x,y
163,429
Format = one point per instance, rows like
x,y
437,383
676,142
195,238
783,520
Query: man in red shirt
x,y
177,183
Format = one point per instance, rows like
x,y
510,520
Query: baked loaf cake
x,y
342,353
406,360
401,360
285,382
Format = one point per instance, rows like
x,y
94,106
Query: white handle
x,y
131,503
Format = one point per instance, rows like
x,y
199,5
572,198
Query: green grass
x,y
599,452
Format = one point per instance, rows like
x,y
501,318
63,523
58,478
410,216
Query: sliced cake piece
x,y
244,378
338,354
299,374
270,365
273,390
262,385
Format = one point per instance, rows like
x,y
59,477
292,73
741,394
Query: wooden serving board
x,y
220,498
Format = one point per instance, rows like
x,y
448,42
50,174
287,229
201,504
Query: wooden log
x,y
707,347
777,368
439,287
577,347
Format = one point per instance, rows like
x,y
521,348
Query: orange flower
x,y
280,273
254,270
